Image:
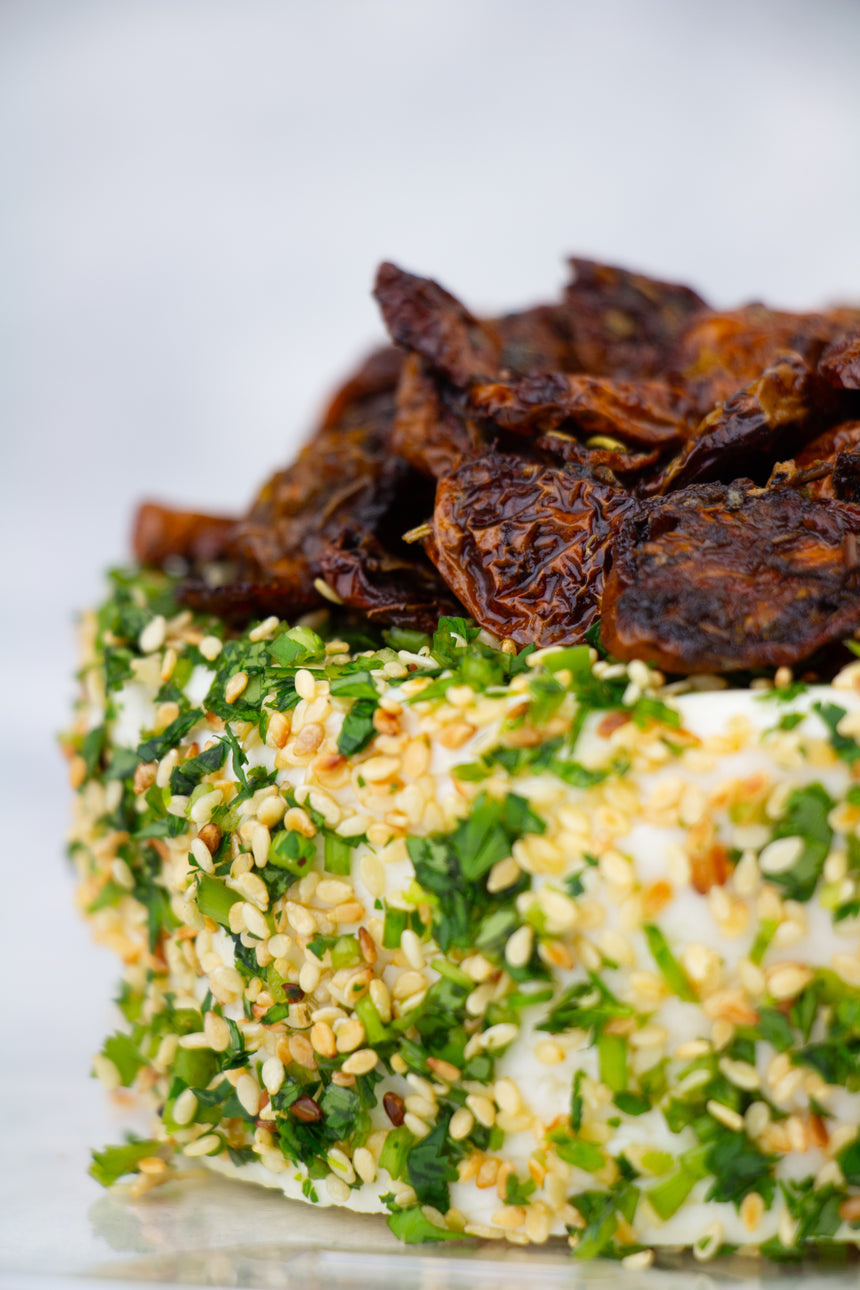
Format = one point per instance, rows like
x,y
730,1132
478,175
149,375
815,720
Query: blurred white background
x,y
195,196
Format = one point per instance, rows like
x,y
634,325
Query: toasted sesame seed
x,y
308,740
367,946
444,1070
322,1038
302,1051
361,1062
235,686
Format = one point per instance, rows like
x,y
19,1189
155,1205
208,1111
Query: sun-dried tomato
x,y
524,545
840,362
430,430
645,413
747,432
722,577
159,532
384,587
624,324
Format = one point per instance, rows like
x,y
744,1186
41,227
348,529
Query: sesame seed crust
x,y
501,938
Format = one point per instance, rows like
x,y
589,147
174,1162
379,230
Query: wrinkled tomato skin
x,y
720,578
524,545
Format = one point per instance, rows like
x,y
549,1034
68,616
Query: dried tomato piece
x,y
719,577
386,587
746,432
378,374
238,599
646,413
840,362
344,480
535,340
524,545
423,317
600,457
824,451
846,477
160,532
718,353
624,324
430,430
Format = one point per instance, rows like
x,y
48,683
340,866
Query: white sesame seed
x,y
210,647
337,1189
341,1163
411,947
185,1107
639,1261
264,629
197,1039
202,855
462,1123
273,1074
202,809
482,1109
518,949
780,855
203,1146
730,1118
786,980
260,842
499,1036
421,1106
217,1032
306,686
709,1242
106,1071
416,1125
152,636
364,1164
503,875
741,1074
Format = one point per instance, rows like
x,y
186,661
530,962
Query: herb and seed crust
x,y
505,944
